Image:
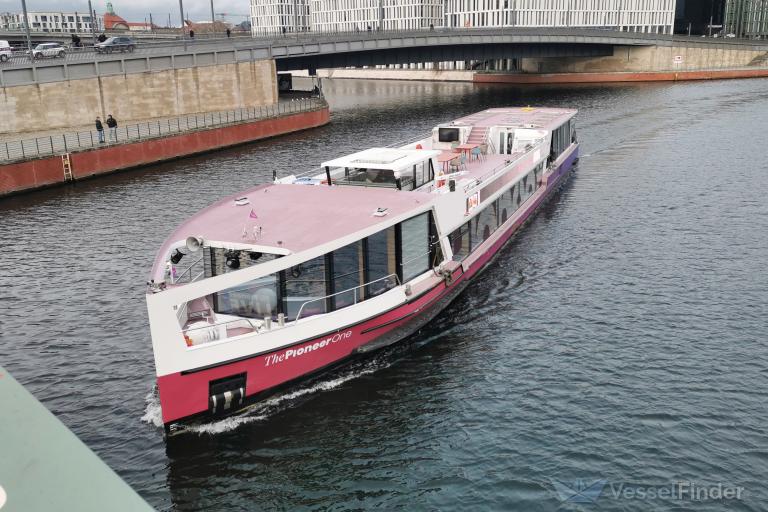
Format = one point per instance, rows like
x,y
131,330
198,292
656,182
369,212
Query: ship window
x,y
254,299
507,203
488,219
216,260
459,241
379,250
304,288
407,180
347,265
363,177
476,233
414,246
422,174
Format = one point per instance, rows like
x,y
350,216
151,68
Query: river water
x,y
621,337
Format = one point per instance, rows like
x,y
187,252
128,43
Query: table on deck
x,y
445,158
467,148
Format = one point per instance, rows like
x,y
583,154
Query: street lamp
x,y
93,21
26,28
213,20
181,10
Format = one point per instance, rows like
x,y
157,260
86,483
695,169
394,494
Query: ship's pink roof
x,y
529,117
294,217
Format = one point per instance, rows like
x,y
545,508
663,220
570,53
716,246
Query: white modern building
x,y
279,16
362,15
654,16
68,22
272,16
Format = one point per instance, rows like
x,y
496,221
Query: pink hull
x,y
185,394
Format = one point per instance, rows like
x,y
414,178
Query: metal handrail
x,y
177,279
493,172
301,309
68,142
247,320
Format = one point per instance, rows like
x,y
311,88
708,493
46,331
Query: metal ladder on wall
x,y
66,164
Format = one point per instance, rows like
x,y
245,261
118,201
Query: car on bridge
x,y
48,50
5,51
116,44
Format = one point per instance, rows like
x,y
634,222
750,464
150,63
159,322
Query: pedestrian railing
x,y
76,141
219,42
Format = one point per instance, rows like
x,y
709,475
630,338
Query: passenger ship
x,y
292,277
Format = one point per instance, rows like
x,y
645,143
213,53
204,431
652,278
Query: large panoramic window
x,y
561,139
254,299
488,220
347,275
459,241
414,246
507,205
380,261
304,289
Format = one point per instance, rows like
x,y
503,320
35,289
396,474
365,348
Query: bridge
x,y
311,51
180,77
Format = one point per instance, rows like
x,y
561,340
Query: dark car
x,y
116,44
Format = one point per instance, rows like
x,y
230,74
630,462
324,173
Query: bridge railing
x,y
221,42
67,142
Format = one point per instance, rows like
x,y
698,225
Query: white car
x,y
52,50
5,51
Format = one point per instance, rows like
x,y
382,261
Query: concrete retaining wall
x,y
651,58
588,78
137,96
44,172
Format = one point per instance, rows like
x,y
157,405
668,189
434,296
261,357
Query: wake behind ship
x,y
287,279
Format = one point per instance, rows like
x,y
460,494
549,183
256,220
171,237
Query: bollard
x,y
268,323
281,319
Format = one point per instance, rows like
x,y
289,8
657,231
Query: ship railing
x,y
214,332
391,282
409,141
179,277
497,170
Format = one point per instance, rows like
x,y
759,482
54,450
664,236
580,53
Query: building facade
x,y
651,16
747,18
360,15
279,16
65,22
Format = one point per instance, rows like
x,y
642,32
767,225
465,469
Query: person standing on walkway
x,y
112,124
100,130
229,33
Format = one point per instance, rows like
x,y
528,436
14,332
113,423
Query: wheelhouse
x,y
402,169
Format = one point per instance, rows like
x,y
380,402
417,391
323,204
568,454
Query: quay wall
x,y
628,63
608,77
43,172
130,97
653,59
